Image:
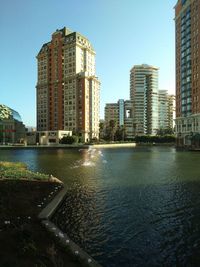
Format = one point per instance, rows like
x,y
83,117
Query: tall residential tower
x,y
166,110
67,86
144,94
187,22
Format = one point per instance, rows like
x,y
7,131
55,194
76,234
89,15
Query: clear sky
x,y
123,32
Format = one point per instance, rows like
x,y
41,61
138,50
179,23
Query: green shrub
x,y
155,139
68,140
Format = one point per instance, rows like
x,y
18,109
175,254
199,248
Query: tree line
x,y
112,132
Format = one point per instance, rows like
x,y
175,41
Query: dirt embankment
x,y
24,242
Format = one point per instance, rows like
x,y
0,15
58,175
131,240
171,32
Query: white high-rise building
x,y
144,94
166,109
67,87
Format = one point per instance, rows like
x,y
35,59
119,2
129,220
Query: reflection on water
x,y
127,207
89,158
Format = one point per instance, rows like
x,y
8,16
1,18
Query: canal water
x,y
126,206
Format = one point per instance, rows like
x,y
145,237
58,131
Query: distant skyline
x,y
123,33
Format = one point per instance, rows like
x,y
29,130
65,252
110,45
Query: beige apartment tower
x,y
67,87
187,23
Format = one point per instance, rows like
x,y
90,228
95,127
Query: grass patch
x,y
19,170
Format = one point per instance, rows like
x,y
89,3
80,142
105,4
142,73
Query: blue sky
x,y
123,32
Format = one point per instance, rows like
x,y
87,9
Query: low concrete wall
x,y
44,146
65,241
45,217
114,145
48,211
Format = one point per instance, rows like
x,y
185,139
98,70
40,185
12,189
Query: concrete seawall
x,y
44,146
114,145
45,217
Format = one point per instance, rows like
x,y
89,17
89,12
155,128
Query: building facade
x,y
144,95
111,113
12,130
52,137
187,23
122,113
166,110
171,111
67,87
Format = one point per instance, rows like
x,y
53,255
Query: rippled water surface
x,y
127,206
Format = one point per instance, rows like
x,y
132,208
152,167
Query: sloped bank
x,y
24,241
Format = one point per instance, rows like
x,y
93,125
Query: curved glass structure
x,y
8,113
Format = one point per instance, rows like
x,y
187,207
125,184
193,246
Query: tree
x,y
120,133
112,125
68,140
110,130
101,126
155,139
165,131
101,130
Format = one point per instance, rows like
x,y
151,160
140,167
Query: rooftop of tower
x,y
65,33
182,2
181,5
144,66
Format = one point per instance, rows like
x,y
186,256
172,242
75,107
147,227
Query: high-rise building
x,y
111,113
171,111
67,86
162,109
144,94
122,113
166,110
187,23
128,119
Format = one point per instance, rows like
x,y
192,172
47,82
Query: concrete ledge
x,y
45,146
45,216
48,211
114,145
65,241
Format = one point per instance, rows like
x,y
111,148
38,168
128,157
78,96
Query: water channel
x,y
126,206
